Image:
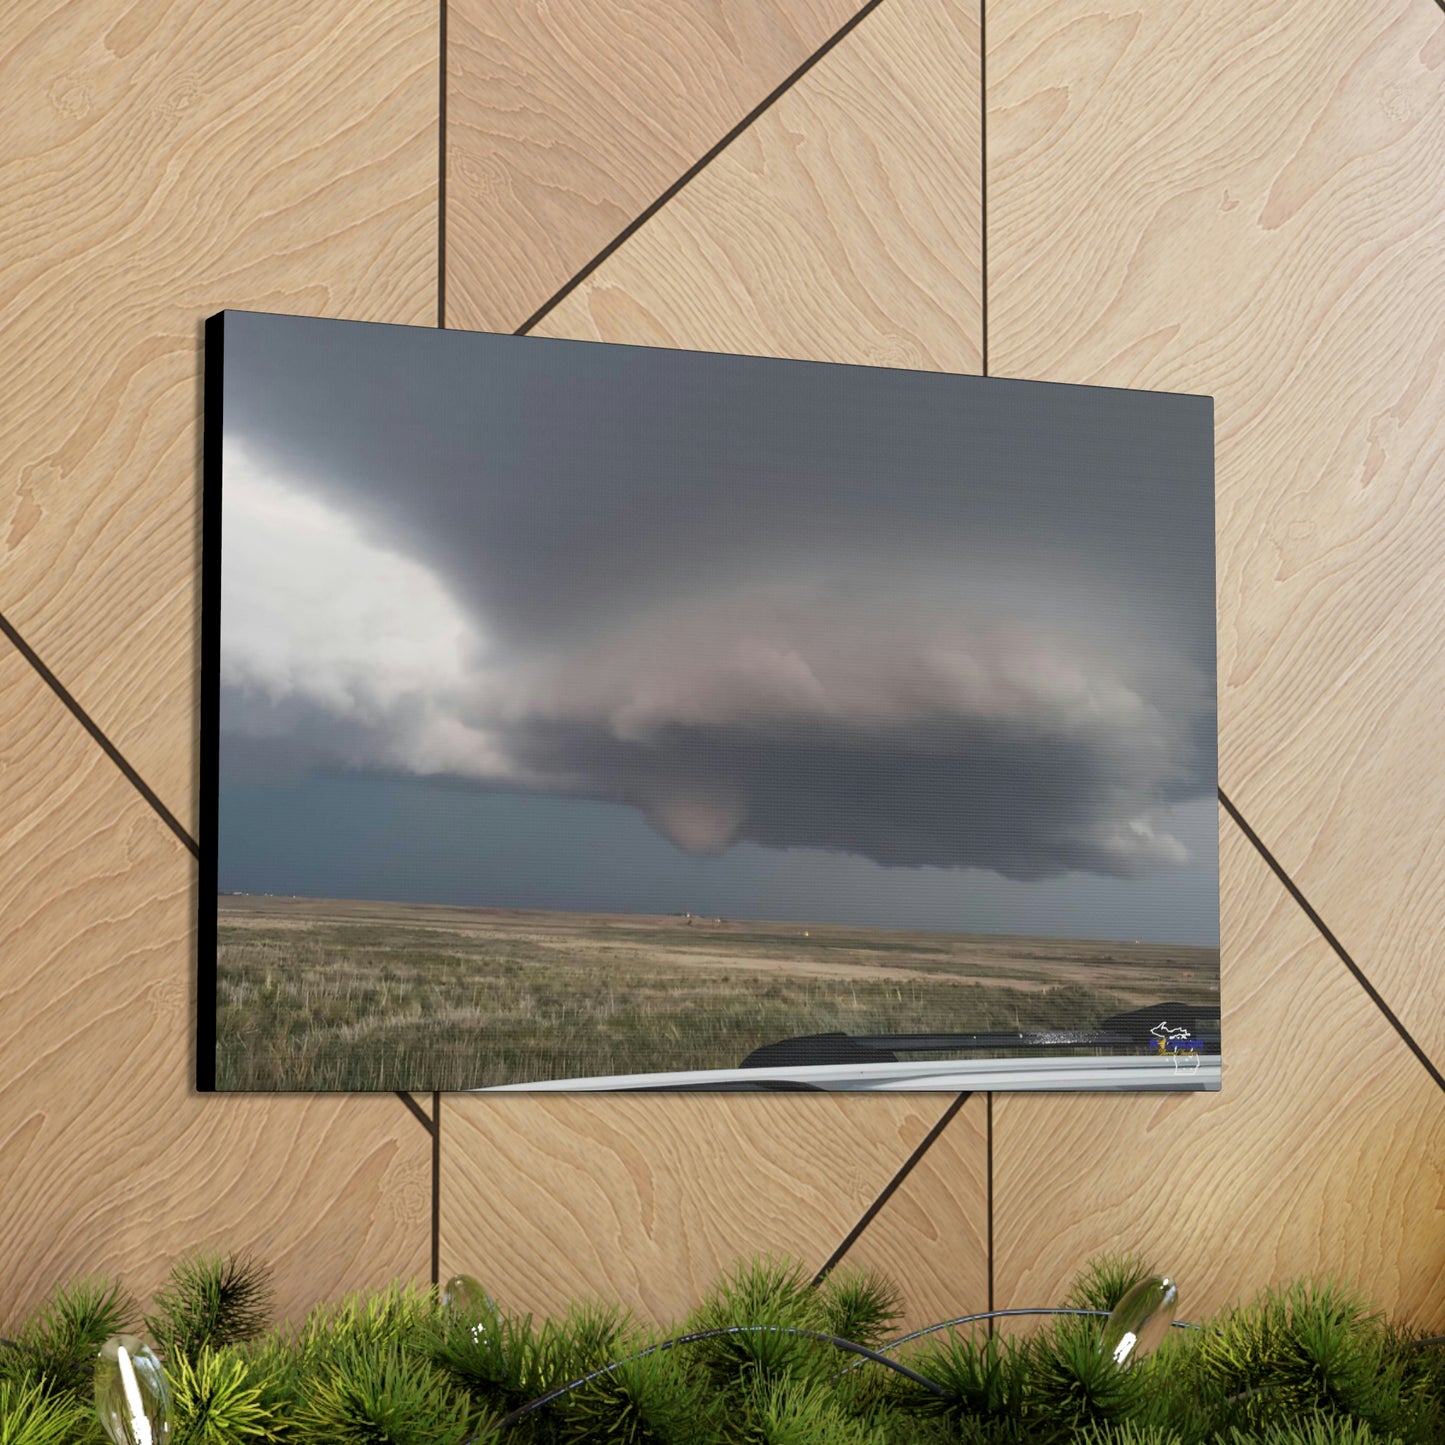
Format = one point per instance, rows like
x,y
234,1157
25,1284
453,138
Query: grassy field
x,y
317,994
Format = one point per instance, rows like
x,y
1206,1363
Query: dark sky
x,y
614,627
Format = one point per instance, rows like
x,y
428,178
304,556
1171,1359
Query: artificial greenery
x,y
755,1364
1105,1280
220,1397
30,1414
210,1300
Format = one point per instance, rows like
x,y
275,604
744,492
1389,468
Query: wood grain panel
x,y
931,1236
567,118
842,226
161,161
1245,200
1324,1150
648,1198
111,1164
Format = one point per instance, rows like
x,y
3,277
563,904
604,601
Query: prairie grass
x,y
317,1003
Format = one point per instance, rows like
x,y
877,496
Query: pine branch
x,y
216,1400
1308,1365
859,1305
381,1394
1105,1280
57,1345
32,1415
211,1300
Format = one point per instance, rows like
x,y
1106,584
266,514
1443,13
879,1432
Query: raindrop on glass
x,y
131,1393
1140,1320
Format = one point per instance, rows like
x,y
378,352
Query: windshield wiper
x,y
1132,1032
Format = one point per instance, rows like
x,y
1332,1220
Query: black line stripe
x,y
983,322
212,379
436,1188
442,171
1293,889
989,1098
107,747
983,177
434,1124
417,1110
851,1238
693,170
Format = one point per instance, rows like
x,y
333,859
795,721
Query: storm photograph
x,y
594,716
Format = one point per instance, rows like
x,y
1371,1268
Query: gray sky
x,y
612,627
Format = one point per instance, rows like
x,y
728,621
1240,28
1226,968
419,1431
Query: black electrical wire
x,y
998,1314
522,1411
1101,1314
851,1346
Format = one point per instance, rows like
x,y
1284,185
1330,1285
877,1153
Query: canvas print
x,y
582,716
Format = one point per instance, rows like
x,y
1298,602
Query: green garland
x,y
1307,1365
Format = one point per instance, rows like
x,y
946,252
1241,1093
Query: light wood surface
x,y
647,1199
111,1164
931,1235
1323,1152
842,226
568,118
1244,200
1240,199
162,161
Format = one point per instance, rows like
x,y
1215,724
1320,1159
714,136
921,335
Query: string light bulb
x,y
469,1307
1140,1320
131,1394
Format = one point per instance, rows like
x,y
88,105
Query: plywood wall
x,y
159,159
1232,198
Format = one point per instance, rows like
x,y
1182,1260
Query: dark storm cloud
x,y
978,796
920,618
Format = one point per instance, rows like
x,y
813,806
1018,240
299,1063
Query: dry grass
x,y
338,996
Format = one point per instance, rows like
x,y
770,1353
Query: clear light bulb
x,y
131,1393
1140,1320
469,1307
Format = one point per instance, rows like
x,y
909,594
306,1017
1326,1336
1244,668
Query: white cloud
x,y
313,612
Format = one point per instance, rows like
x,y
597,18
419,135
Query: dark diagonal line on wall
x,y
106,746
1294,891
869,1214
693,170
433,1126
417,1110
